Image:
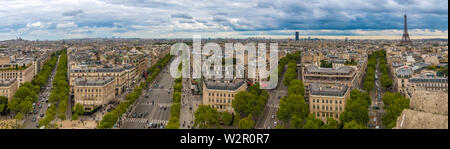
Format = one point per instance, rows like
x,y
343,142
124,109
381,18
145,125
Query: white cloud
x,y
35,24
66,25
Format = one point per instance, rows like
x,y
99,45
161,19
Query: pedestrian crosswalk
x,y
272,105
143,120
156,104
136,120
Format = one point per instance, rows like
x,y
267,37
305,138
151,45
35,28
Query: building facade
x,y
118,73
8,88
328,100
219,94
345,75
91,93
22,75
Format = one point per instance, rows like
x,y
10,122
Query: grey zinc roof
x,y
340,70
404,71
322,90
93,82
424,79
222,84
340,61
115,69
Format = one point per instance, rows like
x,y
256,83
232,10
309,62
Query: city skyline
x,y
53,20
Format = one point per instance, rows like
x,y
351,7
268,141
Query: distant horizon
x,y
324,37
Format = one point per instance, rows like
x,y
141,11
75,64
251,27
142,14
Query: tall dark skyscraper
x,y
405,37
296,36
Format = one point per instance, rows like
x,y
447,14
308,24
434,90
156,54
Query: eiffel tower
x,y
405,37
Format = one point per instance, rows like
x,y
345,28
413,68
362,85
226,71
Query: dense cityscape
x,y
126,83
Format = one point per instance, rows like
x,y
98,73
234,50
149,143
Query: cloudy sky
x,y
65,19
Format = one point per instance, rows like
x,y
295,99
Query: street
x,y
42,104
189,104
376,108
153,106
268,117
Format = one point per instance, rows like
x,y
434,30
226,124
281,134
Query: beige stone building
x,y
327,100
219,94
401,76
118,73
345,75
22,75
426,82
8,88
92,93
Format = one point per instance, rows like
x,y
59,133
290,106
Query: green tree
x,y
3,104
331,124
326,64
74,116
227,118
394,105
296,122
296,87
357,110
26,106
353,125
177,87
19,116
62,110
386,81
289,76
292,105
251,102
247,123
205,116
312,122
174,123
368,85
79,110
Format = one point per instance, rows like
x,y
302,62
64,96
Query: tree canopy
x,y
356,108
394,103
251,101
247,123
